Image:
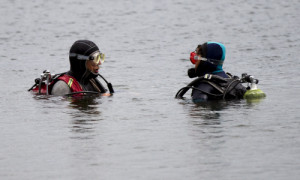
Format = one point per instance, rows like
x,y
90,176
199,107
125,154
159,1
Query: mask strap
x,y
79,56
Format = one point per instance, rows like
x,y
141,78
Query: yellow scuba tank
x,y
253,92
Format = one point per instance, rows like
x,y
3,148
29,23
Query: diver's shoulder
x,y
60,88
222,74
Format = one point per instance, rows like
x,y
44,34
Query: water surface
x,y
142,132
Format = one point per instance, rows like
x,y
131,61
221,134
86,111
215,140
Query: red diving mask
x,y
193,57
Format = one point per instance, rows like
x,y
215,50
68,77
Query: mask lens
x,y
99,58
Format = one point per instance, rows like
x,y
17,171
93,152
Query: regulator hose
x,y
183,90
109,85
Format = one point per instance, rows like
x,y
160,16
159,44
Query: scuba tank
x,y
41,85
252,91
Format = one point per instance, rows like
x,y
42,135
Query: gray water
x,y
142,132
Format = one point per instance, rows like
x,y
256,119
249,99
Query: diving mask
x,y
194,58
97,57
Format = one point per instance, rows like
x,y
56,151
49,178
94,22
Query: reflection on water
x,y
209,110
206,113
212,110
213,113
85,104
86,115
83,112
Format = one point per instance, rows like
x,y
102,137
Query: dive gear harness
x,y
223,85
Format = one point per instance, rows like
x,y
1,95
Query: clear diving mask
x,y
97,57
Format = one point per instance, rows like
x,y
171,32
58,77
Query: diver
x,y
212,82
85,59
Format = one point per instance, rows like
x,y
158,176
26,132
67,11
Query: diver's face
x,y
97,58
92,66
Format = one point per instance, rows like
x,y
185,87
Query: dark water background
x,y
142,132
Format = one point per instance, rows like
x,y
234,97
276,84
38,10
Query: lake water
x,y
142,131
